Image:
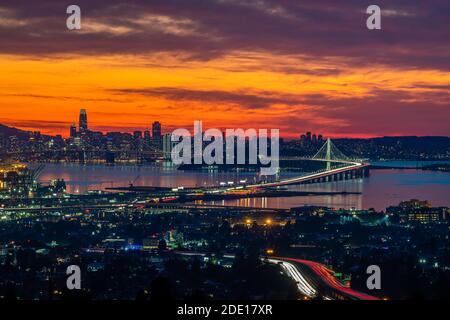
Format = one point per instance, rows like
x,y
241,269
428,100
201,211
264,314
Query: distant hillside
x,y
6,131
406,147
385,148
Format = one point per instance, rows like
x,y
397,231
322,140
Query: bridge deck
x,y
310,177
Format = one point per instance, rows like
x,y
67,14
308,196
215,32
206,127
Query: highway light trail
x,y
303,279
303,285
326,275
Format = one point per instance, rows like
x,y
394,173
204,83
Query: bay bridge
x,y
338,167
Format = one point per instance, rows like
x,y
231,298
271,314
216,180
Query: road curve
x,y
326,276
305,283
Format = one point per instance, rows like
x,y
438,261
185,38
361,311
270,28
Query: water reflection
x,y
383,188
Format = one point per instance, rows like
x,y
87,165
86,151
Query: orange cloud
x,y
243,89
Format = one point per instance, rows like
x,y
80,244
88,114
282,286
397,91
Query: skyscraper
x,y
73,131
320,138
137,135
156,135
83,120
156,130
147,136
308,136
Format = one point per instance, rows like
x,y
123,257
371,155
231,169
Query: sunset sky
x,y
294,65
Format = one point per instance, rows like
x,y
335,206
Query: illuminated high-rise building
x,y
156,135
83,120
147,136
156,130
73,131
320,138
137,135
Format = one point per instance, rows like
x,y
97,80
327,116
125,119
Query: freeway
x,y
304,286
319,277
314,280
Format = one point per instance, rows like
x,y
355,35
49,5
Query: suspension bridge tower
x,y
328,154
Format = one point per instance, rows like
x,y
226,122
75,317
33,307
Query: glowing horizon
x,y
186,67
